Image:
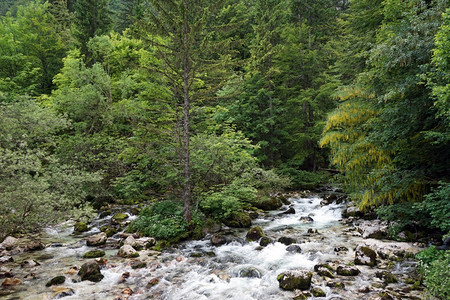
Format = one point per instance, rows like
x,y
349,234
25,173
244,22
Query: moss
x,y
254,234
119,217
268,203
94,254
265,241
56,280
316,292
80,227
196,254
161,245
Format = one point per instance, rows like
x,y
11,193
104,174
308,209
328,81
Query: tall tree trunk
x,y
186,132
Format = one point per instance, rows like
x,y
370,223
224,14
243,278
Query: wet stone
x,y
61,292
287,240
294,249
250,272
94,254
324,270
292,280
10,282
347,271
255,233
56,281
265,241
365,256
90,271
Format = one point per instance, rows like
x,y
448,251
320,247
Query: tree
x,y
195,63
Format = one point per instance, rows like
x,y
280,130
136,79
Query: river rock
x,y
264,241
127,291
292,280
80,227
29,263
268,203
287,240
108,230
153,282
34,246
238,220
289,211
8,243
6,259
341,249
306,219
97,239
61,292
90,271
352,211
254,234
94,254
119,217
211,226
317,292
10,282
294,249
324,270
347,270
130,240
56,281
138,265
250,272
386,276
145,242
365,256
5,273
375,229
218,240
127,251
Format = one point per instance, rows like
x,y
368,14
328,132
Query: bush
x,y
434,265
437,205
302,179
162,220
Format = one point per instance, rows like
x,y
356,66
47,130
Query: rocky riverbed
x,y
304,250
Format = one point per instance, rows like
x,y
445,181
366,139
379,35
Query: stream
x,y
241,270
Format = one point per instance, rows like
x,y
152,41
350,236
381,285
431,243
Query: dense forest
x,y
201,109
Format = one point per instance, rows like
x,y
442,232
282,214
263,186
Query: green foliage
x,y
161,220
35,187
301,179
437,205
434,266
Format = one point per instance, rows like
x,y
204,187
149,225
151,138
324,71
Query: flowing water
x,y
197,270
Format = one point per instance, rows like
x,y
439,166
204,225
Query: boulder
x,y
268,203
61,292
94,254
365,256
218,240
119,218
80,227
375,229
254,234
8,243
306,219
108,230
289,211
10,282
90,271
97,239
317,292
265,241
56,281
6,259
211,226
347,270
250,272
238,220
386,276
145,242
127,251
324,270
293,280
130,240
352,211
294,249
34,246
287,240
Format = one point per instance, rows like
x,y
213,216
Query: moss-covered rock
x,y
347,271
387,277
324,270
138,265
287,240
265,241
365,256
56,281
268,203
238,220
127,251
316,292
90,271
254,234
119,217
80,227
94,254
292,280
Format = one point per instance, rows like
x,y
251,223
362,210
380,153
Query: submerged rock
x,y
250,272
292,280
97,239
90,271
365,256
10,282
56,281
294,249
61,292
254,234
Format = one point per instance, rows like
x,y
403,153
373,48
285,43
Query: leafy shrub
x,y
162,220
300,178
437,205
434,265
